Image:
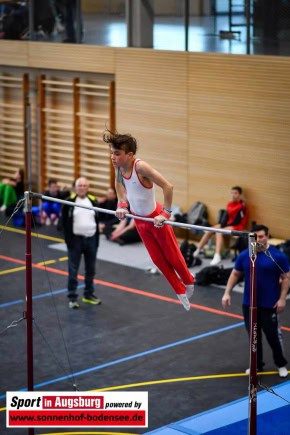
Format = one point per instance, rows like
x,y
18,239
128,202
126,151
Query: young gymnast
x,y
135,180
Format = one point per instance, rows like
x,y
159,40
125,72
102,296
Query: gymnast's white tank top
x,y
141,198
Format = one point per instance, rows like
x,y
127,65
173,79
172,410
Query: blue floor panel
x,y
273,417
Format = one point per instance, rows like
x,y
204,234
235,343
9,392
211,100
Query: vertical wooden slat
x,y
12,123
76,120
42,127
112,102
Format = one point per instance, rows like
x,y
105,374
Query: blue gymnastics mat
x,y
273,417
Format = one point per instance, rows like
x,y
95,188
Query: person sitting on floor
x,y
236,219
11,190
51,211
123,233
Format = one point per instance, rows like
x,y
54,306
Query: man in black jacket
x,y
81,233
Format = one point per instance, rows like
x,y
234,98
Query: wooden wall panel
x,y
52,128
14,53
239,134
72,57
207,121
68,57
75,114
151,98
12,124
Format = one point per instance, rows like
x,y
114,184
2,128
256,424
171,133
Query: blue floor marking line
x,y
7,304
43,295
137,355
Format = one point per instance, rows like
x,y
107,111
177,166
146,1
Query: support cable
x,y
71,374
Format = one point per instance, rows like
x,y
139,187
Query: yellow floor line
x,y
40,236
16,269
168,381
42,263
172,380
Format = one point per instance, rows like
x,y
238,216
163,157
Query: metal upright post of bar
x,y
252,426
248,22
31,19
78,22
28,142
186,23
29,313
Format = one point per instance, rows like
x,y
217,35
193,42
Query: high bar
x,y
141,218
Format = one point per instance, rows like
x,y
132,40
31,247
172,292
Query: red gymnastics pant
x,y
163,248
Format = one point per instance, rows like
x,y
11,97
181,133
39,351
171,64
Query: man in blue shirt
x,y
272,285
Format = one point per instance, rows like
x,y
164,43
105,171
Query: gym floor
x,y
139,339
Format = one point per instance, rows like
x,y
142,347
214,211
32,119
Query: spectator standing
x,y
272,285
70,12
81,232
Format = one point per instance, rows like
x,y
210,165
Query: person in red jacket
x,y
236,219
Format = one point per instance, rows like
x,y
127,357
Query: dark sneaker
x,y
74,304
91,299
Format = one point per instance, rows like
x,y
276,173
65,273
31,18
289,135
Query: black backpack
x,y
240,244
213,275
187,249
196,215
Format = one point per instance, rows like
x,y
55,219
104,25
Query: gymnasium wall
x,y
206,121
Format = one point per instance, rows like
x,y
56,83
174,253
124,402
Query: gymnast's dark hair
x,y
124,142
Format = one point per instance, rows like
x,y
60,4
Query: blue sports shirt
x,y
267,276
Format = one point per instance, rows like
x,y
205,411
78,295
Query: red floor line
x,y
165,298
132,290
14,260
